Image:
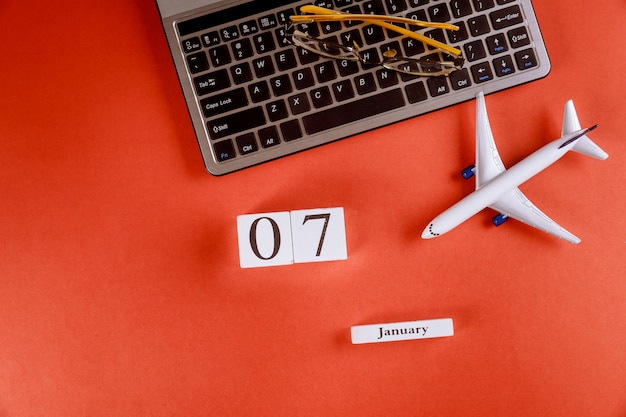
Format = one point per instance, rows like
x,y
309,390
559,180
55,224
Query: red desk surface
x,y
120,287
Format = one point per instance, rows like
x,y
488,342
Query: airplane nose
x,y
428,232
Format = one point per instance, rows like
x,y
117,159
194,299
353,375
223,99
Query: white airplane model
x,y
496,187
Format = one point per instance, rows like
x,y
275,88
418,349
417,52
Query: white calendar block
x,y
318,235
264,239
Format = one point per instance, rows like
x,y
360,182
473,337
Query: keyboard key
x,y
230,33
436,34
343,3
374,7
327,4
224,150
387,78
475,51
350,37
347,67
281,85
191,45
241,73
496,44
373,34
396,6
299,104
506,17
416,92
225,102
478,25
286,60
460,8
242,49
220,56
248,28
277,110
482,5
417,15
365,84
460,79
197,62
518,37
330,27
412,47
439,13
320,97
283,16
303,78
264,42
457,36
307,57
268,22
236,123
259,91
353,111
438,86
291,130
247,144
263,67
526,59
504,66
343,90
482,72
325,71
211,38
269,137
211,82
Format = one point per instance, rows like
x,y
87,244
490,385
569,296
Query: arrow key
x,y
497,44
504,66
482,72
526,59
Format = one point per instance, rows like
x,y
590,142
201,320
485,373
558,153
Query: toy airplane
x,y
496,187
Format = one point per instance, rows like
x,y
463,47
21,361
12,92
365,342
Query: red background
x,y
120,287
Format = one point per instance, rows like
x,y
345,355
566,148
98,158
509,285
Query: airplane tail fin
x,y
584,144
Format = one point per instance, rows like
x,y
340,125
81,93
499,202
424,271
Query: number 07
x,y
283,238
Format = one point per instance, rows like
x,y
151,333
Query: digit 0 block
x,y
264,239
318,235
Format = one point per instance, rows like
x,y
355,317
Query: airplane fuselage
x,y
493,190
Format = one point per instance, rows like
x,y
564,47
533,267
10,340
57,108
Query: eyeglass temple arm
x,y
336,15
381,21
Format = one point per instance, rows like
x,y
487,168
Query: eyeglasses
x,y
391,60
322,14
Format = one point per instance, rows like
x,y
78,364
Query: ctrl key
x,y
224,150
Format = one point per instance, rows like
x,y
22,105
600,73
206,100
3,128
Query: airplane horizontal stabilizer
x,y
587,147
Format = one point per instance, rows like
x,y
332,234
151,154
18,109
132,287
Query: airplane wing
x,y
516,205
488,162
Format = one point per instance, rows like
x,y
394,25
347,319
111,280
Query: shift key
x,y
236,122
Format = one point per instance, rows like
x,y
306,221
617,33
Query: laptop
x,y
253,95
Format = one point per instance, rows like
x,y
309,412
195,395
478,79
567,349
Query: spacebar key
x,y
353,111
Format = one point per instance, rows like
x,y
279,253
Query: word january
x,y
420,331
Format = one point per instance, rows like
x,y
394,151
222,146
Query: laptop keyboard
x,y
254,97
